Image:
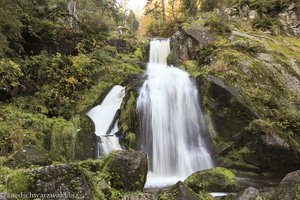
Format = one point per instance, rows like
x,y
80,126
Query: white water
x,y
171,121
103,116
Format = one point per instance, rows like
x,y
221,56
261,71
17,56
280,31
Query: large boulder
x,y
212,180
187,43
59,182
289,187
29,155
127,170
180,191
272,150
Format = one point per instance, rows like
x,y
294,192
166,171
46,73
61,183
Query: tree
x,y
132,22
190,7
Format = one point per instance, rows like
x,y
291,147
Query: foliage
x,y
265,23
10,28
270,7
10,74
217,24
208,5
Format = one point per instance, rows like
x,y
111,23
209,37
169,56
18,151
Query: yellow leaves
x,y
9,73
71,81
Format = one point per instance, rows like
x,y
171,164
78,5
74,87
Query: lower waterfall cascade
x,y
105,118
171,121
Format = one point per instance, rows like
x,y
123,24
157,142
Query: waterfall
x,y
105,117
172,124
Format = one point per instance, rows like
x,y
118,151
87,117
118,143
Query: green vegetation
x,y
55,65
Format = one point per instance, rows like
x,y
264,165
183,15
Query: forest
x,y
179,100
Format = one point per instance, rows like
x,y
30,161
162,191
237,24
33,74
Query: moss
x,y
217,179
234,158
19,181
4,173
63,139
128,119
131,140
297,191
138,53
181,191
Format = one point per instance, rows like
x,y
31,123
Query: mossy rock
x,y
29,155
86,140
212,180
225,105
180,191
127,170
289,187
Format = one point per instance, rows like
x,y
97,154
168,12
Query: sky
x,y
136,5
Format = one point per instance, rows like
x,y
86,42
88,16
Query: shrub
x,y
10,73
208,5
266,23
216,24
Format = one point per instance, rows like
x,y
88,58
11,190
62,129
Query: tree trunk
x,y
163,10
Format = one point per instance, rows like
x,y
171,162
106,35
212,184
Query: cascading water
x,y
105,118
171,121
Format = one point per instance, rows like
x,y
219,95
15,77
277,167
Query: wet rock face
x,y
180,191
212,180
29,155
289,187
229,112
127,170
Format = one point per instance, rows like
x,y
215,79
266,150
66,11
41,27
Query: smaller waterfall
x,y
105,117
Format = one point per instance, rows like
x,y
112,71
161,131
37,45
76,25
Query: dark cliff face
x,y
249,86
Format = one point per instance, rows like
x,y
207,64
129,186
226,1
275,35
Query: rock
x,y
275,141
63,181
86,140
271,152
250,193
289,187
252,14
187,42
4,93
200,34
29,155
264,57
244,11
289,20
3,196
212,180
121,45
225,104
180,191
127,169
138,196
